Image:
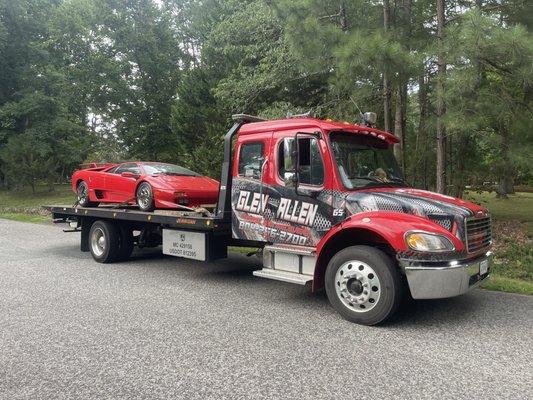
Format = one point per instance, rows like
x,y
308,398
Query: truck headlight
x,y
421,241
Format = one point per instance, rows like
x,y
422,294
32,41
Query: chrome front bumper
x,y
439,280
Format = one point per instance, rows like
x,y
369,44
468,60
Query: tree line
x,y
109,80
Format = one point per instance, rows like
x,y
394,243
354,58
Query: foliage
x,y
23,200
108,80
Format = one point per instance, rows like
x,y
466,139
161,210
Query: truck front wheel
x,y
363,284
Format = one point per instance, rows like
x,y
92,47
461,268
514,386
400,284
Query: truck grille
x,y
478,233
443,220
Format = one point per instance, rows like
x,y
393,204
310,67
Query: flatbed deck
x,y
166,218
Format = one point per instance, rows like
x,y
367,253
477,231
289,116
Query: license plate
x,y
483,267
184,244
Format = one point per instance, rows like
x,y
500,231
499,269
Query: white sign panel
x,y
184,244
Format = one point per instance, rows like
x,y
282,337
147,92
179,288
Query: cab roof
x,y
324,125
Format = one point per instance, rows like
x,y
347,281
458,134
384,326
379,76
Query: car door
x,y
120,188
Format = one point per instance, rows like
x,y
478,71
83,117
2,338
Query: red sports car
x,y
148,184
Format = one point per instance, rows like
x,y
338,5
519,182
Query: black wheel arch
x,y
343,239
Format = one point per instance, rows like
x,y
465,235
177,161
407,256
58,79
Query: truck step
x,y
283,276
286,248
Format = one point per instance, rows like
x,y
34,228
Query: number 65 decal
x,y
338,212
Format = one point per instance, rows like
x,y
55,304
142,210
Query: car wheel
x,y
82,191
145,197
363,284
104,241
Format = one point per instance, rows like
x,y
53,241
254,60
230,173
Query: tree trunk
x,y
422,136
462,143
506,185
441,106
399,124
386,82
343,21
403,23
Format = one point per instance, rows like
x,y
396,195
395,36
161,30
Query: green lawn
x,y
26,199
512,219
21,217
25,206
513,241
518,207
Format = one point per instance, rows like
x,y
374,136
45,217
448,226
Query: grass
x,y
25,206
62,194
518,207
513,241
509,285
37,219
243,250
512,219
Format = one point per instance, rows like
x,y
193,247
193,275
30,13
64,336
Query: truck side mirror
x,y
290,162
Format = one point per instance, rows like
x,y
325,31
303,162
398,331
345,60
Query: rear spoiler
x,y
96,166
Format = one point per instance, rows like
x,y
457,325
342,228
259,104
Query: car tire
x,y
104,242
363,284
125,243
82,191
145,197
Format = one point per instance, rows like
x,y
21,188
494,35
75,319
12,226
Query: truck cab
x,y
330,207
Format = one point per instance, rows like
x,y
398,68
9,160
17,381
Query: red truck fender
x,y
380,229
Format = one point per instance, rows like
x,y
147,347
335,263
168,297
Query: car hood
x,y
188,183
441,209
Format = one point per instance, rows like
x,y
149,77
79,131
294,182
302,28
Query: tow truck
x,y
327,205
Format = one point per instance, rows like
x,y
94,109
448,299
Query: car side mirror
x,y
128,174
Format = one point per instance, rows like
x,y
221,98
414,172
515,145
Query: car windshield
x,y
167,169
364,161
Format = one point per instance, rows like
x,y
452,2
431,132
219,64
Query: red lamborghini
x,y
148,184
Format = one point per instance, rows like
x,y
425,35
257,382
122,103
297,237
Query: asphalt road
x,y
160,327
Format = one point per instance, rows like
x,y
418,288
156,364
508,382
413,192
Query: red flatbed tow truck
x,y
328,206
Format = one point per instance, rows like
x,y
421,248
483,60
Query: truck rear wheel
x,y
104,241
126,243
363,284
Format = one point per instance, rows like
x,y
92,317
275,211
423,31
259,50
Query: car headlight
x,y
421,241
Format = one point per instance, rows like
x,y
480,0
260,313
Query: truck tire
x,y
104,241
363,284
125,243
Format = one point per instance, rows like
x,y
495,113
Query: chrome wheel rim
x,y
83,193
144,196
357,286
98,242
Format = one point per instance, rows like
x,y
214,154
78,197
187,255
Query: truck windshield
x,y
364,161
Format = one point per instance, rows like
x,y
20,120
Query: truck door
x,y
299,208
249,197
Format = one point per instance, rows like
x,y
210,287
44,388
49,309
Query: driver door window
x,y
309,159
128,167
